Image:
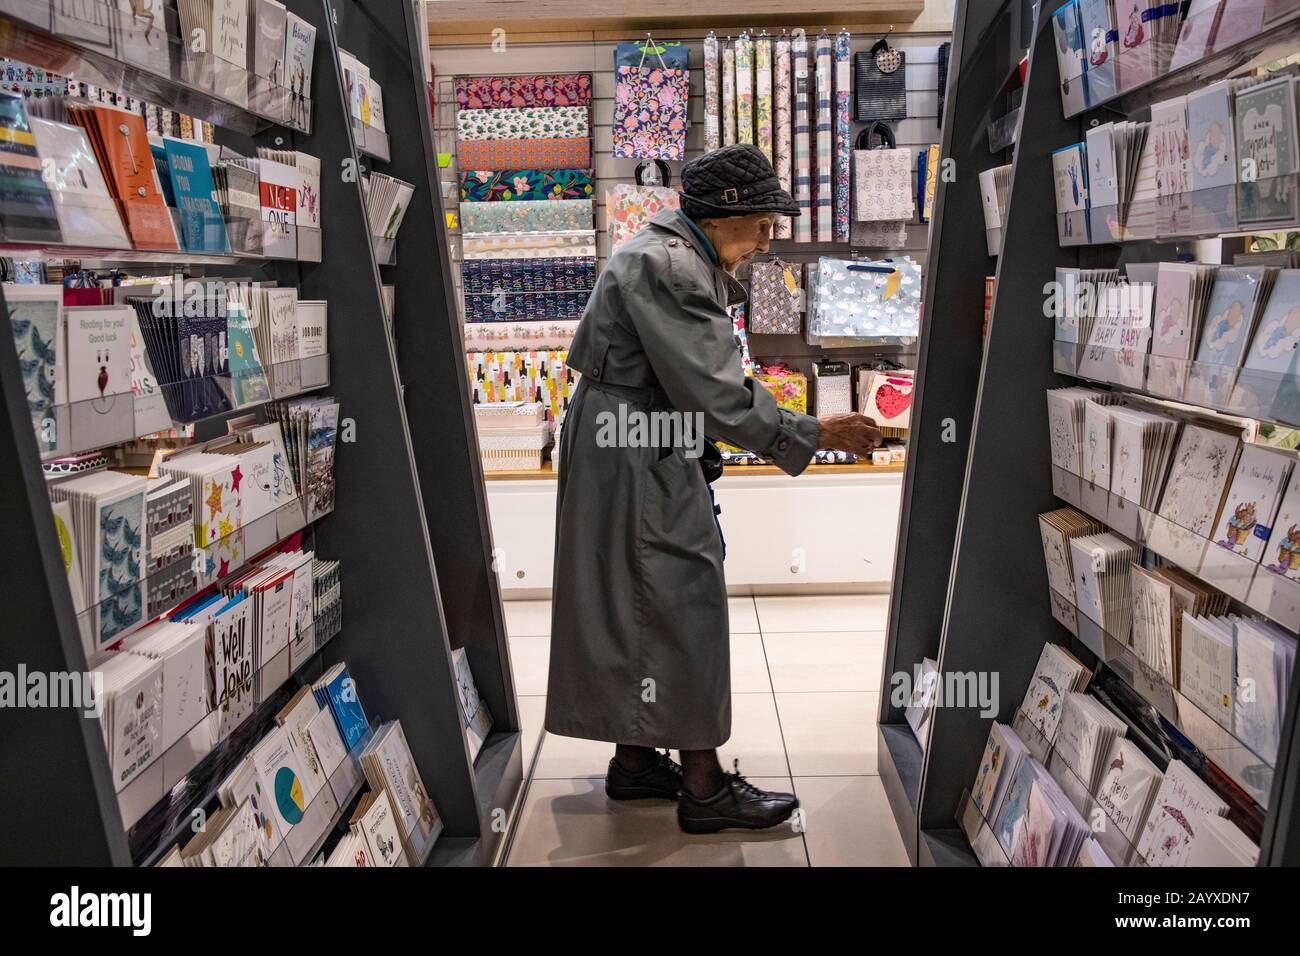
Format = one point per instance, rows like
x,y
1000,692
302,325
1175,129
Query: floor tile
x,y
749,665
829,734
817,613
835,660
573,823
741,616
532,710
524,618
530,656
847,822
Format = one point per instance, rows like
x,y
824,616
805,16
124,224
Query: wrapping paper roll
x,y
784,130
744,89
763,95
530,122
825,144
530,245
566,274
561,215
843,135
728,95
498,336
490,154
507,185
800,91
509,92
712,95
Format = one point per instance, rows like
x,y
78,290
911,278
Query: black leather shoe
x,y
661,781
739,805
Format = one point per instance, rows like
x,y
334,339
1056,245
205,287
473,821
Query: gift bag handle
x,y
878,128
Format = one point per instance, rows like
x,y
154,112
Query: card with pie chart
x,y
281,774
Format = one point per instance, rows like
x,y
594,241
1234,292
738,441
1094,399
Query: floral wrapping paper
x,y
878,235
851,300
529,122
843,134
712,95
802,139
882,185
788,386
629,207
524,245
784,131
564,274
525,306
728,96
825,191
744,89
650,118
763,95
560,215
526,336
774,298
540,375
512,92
492,154
505,185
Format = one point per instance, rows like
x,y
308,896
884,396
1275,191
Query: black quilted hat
x,y
733,181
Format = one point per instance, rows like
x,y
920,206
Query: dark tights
x,y
701,773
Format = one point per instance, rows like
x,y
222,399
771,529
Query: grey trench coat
x,y
639,635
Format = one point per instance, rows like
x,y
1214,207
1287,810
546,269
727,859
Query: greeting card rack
x,y
409,526
998,612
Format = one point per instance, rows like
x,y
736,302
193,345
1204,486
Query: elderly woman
x,y
639,635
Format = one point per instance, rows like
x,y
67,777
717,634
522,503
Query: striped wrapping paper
x,y
560,215
525,306
506,92
744,89
763,95
825,144
712,95
529,245
525,336
802,147
843,135
728,96
565,274
522,376
783,120
505,185
492,154
530,122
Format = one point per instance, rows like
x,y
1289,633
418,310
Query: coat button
x,y
783,444
672,242
595,372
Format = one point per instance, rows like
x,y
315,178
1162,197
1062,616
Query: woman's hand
x,y
852,433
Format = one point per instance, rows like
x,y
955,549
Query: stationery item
x,y
202,229
1182,295
515,92
269,24
181,650
886,397
784,129
1282,554
763,95
238,195
927,173
995,190
299,56
832,388
390,767
1102,566
1128,787
1038,826
824,183
1265,660
1057,673
474,711
1058,529
880,84
507,216
744,89
229,49
519,336
311,428
1203,464
1267,156
1101,42
494,276
1212,159
374,825
1262,387
336,691
280,776
278,190
775,298
388,199
1246,520
1103,182
628,208
712,95
1196,36
1002,755
650,117
1092,855
1177,816
843,136
524,245
132,714
1207,674
1070,173
920,708
1084,739
37,324
530,122
549,153
1221,843
1231,315
882,182
1169,135
728,94
507,185
86,211
1070,57
802,174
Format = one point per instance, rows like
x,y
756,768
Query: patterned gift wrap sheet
x,y
560,215
525,306
564,274
527,90
507,185
550,153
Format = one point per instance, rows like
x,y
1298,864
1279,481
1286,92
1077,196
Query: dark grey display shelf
x,y
899,760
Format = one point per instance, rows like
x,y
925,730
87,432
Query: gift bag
x,y
882,178
774,298
628,208
867,299
650,108
788,386
886,397
880,84
832,388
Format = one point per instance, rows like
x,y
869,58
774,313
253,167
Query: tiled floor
x,y
805,681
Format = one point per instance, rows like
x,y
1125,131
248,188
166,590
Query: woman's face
x,y
738,239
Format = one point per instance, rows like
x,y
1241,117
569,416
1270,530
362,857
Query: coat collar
x,y
673,220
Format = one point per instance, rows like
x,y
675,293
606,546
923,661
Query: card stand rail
x,y
102,45
201,233
371,142
1263,587
1266,204
245,249
309,244
1249,393
1145,70
66,430
179,573
1212,734
385,250
162,772
993,238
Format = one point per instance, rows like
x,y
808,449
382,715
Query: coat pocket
x,y
678,518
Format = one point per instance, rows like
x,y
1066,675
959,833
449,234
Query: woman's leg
x,y
633,758
701,773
